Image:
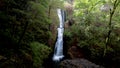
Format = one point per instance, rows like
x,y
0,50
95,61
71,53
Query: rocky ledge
x,y
78,63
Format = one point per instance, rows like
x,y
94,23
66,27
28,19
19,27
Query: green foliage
x,y
40,52
38,28
21,22
91,29
20,18
57,3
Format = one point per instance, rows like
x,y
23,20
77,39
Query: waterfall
x,y
58,51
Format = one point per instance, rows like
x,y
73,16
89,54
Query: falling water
x,y
58,52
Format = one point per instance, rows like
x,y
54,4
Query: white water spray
x,y
58,52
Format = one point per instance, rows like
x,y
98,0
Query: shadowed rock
x,y
78,63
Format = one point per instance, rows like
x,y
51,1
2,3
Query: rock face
x,y
78,63
75,52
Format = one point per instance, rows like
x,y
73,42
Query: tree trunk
x,y
112,11
23,33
